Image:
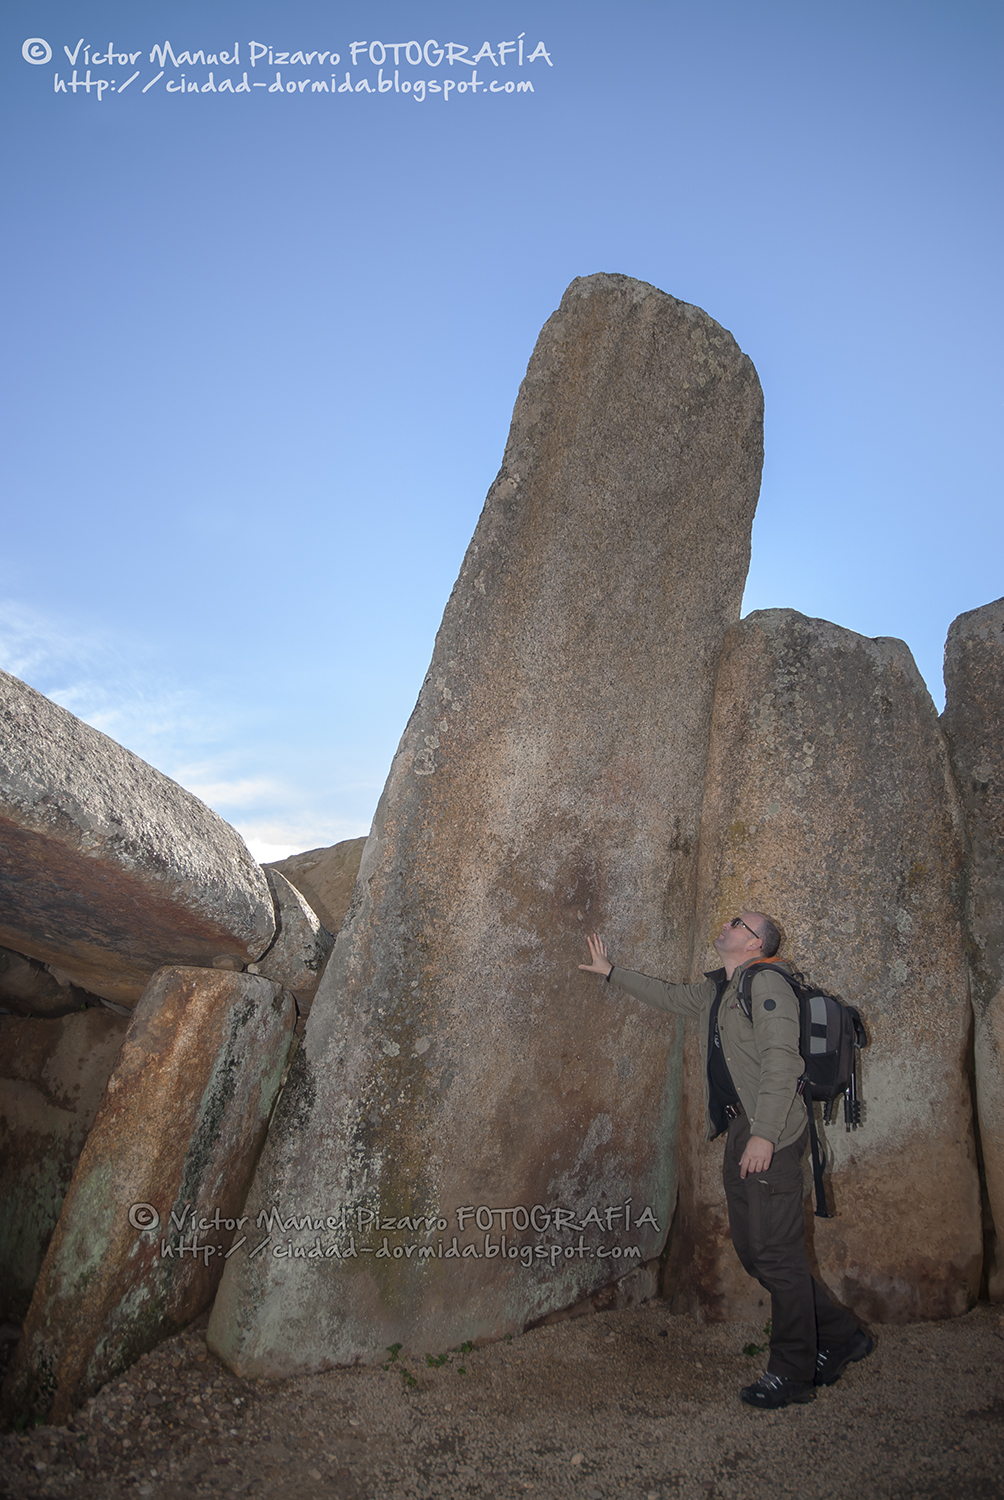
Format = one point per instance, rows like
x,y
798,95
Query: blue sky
x,y
263,346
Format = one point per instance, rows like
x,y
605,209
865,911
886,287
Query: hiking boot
x,y
772,1391
831,1363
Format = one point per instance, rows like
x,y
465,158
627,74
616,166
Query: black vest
x,y
721,1089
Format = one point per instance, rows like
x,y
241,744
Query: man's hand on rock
x,y
598,953
757,1156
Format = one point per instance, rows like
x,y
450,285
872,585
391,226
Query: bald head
x,y
767,931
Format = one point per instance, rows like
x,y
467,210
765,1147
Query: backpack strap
x,y
745,995
818,1165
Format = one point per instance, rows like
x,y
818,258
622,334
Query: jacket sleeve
x,y
776,1035
681,999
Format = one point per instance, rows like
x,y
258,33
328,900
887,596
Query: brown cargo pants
x,y
767,1224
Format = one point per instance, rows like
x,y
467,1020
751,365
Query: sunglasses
x,y
738,922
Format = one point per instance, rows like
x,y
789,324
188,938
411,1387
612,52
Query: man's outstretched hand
x,y
598,953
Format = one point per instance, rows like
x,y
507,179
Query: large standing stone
x,y
974,726
108,869
549,782
52,1076
830,805
151,1211
326,877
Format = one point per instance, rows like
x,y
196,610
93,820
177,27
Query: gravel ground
x,y
639,1404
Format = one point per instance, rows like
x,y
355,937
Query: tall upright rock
x,y
459,1078
829,804
974,727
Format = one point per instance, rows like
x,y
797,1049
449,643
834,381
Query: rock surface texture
x,y
549,782
326,877
108,869
974,727
28,988
52,1076
176,1135
830,805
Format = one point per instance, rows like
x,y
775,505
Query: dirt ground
x,y
637,1404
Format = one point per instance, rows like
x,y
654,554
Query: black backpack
x,y
832,1035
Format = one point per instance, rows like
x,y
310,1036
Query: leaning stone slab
x,y
974,727
830,805
460,1082
53,1073
156,1199
108,869
297,957
326,878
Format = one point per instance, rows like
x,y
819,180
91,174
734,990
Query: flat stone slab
x,y
974,728
830,806
155,1203
460,1082
108,869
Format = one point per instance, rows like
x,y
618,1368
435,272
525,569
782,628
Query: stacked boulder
x,y
154,1206
108,869
148,975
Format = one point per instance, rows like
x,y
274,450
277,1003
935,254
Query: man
x,y
751,1089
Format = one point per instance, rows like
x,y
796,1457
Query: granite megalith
x,y
53,1072
830,805
154,1206
974,728
483,1135
108,869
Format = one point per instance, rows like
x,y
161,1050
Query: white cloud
x,y
243,792
293,836
268,854
85,672
33,645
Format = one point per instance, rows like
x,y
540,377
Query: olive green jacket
x,y
762,1054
